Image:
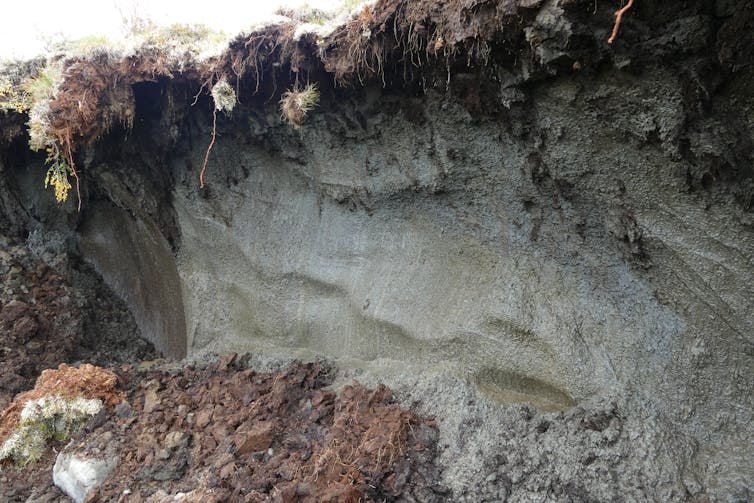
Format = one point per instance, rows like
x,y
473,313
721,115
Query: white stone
x,y
76,475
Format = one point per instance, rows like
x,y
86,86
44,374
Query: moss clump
x,y
45,419
296,104
224,96
41,91
13,98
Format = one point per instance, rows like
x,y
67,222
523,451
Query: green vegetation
x,y
78,105
305,13
57,177
13,98
180,39
84,45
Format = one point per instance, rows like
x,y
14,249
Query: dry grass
x,y
296,104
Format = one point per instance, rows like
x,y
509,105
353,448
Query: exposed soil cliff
x,y
491,205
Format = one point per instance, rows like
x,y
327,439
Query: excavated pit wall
x,y
561,263
555,256
592,242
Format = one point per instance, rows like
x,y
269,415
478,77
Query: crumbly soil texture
x,y
52,311
487,190
227,433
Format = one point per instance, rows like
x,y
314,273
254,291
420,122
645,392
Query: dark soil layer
x,y
487,189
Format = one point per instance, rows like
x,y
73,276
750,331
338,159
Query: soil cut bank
x,y
490,206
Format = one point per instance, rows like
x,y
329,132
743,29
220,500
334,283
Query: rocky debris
x,y
225,432
77,476
611,114
52,312
36,307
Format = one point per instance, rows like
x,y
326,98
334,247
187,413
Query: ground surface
x,y
225,433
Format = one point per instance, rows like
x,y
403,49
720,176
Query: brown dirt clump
x,y
51,313
225,433
412,33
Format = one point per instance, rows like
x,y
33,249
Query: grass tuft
x,y
296,104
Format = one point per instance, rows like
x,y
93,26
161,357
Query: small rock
x,y
203,417
96,420
176,439
24,328
228,470
258,438
124,409
151,401
77,475
226,361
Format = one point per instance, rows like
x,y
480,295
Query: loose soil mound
x,y
240,435
225,433
53,312
35,308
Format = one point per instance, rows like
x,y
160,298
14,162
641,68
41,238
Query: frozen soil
x,y
268,428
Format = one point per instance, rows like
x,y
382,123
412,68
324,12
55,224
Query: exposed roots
x,y
211,144
69,154
618,18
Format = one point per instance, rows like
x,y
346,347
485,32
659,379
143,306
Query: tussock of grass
x,y
296,104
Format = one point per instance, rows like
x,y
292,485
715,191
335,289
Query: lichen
x,y
45,419
224,96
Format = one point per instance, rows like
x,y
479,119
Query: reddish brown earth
x,y
225,433
241,435
39,324
53,311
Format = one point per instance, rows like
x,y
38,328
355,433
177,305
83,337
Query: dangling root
x,y
618,18
206,157
69,154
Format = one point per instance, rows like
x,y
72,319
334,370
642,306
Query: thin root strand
x,y
618,18
211,144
